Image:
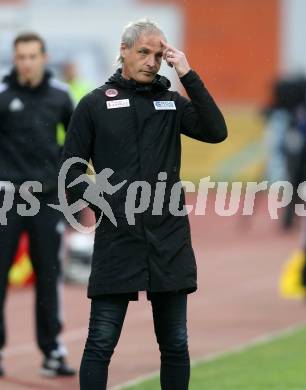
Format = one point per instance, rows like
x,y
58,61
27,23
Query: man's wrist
x,y
183,73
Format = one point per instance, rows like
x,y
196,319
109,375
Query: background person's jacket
x,y
30,119
137,141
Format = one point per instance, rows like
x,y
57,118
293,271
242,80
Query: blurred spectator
x,y
79,247
32,105
77,86
300,178
285,136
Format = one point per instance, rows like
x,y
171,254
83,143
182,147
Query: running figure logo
x,y
92,195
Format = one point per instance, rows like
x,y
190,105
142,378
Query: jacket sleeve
x,y
201,118
79,143
3,109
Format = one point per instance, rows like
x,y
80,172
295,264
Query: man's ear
x,y
122,49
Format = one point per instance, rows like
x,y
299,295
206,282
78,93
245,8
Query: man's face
x,y
29,60
142,61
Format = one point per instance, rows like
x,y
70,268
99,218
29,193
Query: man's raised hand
x,y
175,58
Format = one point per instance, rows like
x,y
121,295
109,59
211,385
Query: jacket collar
x,y
12,80
160,83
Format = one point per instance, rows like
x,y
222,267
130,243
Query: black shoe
x,y
52,367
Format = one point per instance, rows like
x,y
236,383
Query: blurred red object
x,y
21,273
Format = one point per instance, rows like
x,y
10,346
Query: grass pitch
x,y
278,364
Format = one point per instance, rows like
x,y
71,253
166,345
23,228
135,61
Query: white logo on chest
x,y
119,103
16,105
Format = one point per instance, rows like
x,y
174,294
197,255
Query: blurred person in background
x,y
292,95
304,250
132,124
78,87
79,245
300,175
32,106
285,136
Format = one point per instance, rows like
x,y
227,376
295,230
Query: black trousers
x,y
170,325
45,236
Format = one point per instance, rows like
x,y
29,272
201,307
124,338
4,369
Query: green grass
x,y
275,365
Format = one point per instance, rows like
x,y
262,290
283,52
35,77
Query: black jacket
x,y
137,142
28,128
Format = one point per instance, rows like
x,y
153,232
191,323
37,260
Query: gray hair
x,y
134,30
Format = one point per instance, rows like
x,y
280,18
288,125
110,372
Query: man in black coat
x,y
130,128
33,107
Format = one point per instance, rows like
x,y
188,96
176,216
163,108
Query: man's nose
x,y
151,61
27,62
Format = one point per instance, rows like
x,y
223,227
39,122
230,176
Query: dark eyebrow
x,y
144,49
147,50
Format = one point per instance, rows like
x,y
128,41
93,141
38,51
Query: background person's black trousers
x,y
106,321
45,235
